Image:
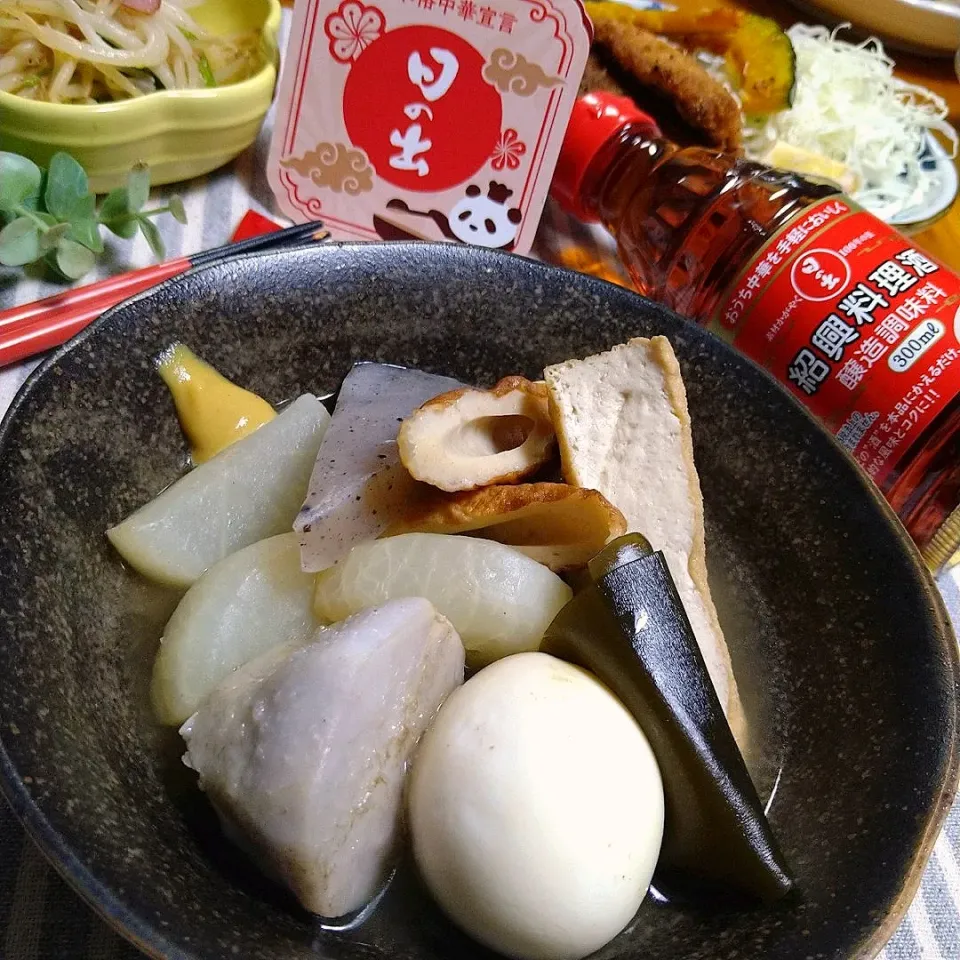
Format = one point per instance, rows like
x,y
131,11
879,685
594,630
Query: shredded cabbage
x,y
850,107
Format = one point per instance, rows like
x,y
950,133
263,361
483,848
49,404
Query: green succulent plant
x,y
51,215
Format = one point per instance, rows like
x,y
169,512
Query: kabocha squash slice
x,y
706,18
762,64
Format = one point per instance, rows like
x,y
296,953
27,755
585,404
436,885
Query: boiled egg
x,y
536,809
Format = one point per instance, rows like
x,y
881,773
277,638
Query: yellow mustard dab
x,y
213,411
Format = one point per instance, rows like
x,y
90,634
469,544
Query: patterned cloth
x,y
40,918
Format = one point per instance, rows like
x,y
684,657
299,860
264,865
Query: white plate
x,y
930,25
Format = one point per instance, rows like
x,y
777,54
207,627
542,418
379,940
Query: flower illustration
x,y
352,29
508,151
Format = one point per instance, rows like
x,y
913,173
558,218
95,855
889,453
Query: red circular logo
x,y
416,103
820,275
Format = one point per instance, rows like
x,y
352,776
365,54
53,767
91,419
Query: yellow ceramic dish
x,y
179,133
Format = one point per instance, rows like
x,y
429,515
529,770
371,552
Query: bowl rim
x,y
151,940
232,94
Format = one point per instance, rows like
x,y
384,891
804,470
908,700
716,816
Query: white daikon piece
x,y
500,601
358,485
246,493
304,751
255,599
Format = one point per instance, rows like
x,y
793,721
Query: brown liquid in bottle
x,y
687,220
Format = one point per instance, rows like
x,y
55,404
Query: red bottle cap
x,y
596,119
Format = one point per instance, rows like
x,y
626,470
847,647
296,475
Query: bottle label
x,y
858,324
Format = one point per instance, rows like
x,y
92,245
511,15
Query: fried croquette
x,y
631,61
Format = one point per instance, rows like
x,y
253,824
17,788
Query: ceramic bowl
x,y
846,661
179,133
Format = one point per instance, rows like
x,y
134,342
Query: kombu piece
x,y
629,628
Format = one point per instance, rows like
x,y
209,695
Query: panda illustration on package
x,y
482,219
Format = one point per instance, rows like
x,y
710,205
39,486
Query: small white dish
x,y
945,183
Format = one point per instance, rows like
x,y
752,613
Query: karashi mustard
x,y
213,411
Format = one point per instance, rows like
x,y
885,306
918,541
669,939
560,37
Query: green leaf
x,y
115,214
127,229
138,188
116,206
87,232
154,239
19,243
31,203
206,71
177,209
73,259
20,180
49,220
67,186
50,238
86,208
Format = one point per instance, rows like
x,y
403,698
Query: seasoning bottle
x,y
859,325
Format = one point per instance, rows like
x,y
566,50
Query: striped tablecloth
x,y
41,919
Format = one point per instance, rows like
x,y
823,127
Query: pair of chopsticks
x,y
35,327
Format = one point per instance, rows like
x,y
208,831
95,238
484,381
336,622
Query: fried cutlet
x,y
630,61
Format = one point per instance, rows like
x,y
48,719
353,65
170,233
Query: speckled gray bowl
x,y
844,653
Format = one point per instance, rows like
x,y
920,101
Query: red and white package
x,y
426,119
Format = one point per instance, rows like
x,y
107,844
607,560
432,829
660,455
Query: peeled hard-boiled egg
x,y
536,809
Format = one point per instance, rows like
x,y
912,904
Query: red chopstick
x,y
35,327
